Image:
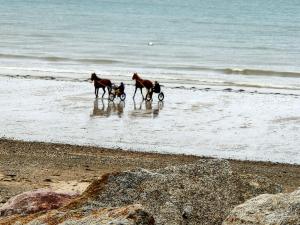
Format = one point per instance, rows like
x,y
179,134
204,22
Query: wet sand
x,y
258,125
32,165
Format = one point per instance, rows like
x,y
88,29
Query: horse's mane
x,y
137,76
96,77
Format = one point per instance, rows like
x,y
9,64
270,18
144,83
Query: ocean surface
x,y
180,43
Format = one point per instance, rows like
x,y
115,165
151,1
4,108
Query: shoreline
x,y
25,166
220,87
147,152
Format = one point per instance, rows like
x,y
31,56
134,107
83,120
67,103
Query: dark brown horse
x,y
140,83
101,83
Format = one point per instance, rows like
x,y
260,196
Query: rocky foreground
x,y
48,181
204,192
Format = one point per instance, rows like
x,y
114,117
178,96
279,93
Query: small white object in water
x,y
150,43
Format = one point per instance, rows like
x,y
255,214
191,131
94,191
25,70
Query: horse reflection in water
x,y
107,110
148,110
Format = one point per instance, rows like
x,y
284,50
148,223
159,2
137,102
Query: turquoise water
x,y
216,42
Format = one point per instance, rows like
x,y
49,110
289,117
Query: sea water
x,y
194,42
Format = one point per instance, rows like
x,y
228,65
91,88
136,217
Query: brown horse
x,y
101,83
140,83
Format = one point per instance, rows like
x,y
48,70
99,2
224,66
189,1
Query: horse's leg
x,y
142,93
150,93
134,92
96,92
147,94
103,91
109,90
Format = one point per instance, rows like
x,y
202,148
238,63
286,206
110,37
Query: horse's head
x,y
93,76
135,76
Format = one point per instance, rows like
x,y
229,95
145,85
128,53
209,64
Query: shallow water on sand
x,y
227,124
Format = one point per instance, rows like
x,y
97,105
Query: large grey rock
x,y
267,209
201,193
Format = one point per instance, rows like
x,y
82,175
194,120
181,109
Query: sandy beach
x,y
25,166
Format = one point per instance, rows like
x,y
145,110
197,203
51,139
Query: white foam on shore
x,y
211,123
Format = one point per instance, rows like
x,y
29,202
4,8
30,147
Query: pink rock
x,y
35,201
